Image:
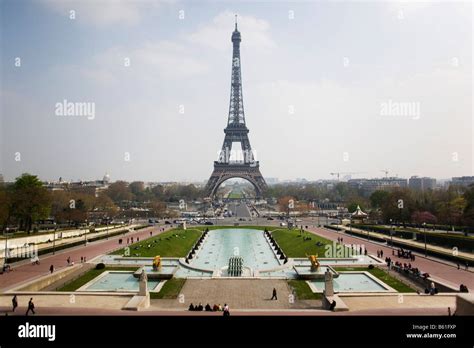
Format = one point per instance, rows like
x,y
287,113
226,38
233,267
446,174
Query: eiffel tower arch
x,y
236,132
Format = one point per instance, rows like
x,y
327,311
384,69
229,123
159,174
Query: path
x,y
434,268
26,271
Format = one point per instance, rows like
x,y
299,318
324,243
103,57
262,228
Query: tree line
x,y
27,201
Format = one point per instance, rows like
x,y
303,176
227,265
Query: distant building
x,y
462,180
95,185
271,181
368,186
421,184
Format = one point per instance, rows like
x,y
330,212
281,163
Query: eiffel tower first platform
x,y
236,132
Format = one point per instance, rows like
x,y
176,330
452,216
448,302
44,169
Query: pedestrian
x,y
226,310
31,307
151,233
138,239
274,296
378,253
467,265
14,303
381,253
68,260
128,240
458,265
51,269
82,259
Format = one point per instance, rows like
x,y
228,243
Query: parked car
x,y
167,222
282,223
270,218
208,223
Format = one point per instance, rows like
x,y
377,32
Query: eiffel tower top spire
x,y
236,107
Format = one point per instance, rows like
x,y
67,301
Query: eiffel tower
x,y
236,132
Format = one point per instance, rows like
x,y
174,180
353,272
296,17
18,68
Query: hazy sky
x,y
328,86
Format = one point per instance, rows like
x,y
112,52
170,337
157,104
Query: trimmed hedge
x,y
68,245
445,240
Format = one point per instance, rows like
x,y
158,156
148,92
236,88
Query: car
x,y
208,223
282,224
270,218
167,222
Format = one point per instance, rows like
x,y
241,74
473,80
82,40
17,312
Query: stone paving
x,y
238,294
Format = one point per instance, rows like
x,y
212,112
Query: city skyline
x,y
313,106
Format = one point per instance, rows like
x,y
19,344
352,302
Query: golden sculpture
x,y
157,263
314,262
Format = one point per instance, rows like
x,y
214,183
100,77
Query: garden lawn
x,y
173,243
293,244
303,291
170,289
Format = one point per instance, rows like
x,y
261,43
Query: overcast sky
x,y
328,86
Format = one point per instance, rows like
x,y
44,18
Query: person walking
x,y
31,307
14,303
274,296
51,269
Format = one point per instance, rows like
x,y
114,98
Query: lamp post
x,y
391,232
6,246
54,239
424,232
85,235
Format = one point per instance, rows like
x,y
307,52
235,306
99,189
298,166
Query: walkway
x,y
24,271
436,269
409,242
238,293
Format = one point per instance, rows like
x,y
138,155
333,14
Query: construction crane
x,y
347,173
386,172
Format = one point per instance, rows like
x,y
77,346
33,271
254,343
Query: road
x,y
240,210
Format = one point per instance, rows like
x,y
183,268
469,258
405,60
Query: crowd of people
x,y
208,308
406,254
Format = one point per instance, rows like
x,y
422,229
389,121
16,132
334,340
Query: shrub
x,y
100,266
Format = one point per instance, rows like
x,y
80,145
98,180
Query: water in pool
x,y
119,281
221,244
352,282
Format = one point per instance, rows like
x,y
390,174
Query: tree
x,y
378,198
157,209
4,207
468,213
420,217
119,191
30,201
